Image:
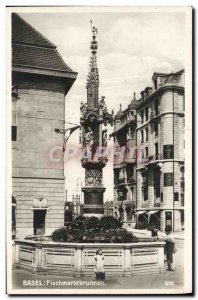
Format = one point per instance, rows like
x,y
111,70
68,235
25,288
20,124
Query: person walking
x,y
99,265
169,250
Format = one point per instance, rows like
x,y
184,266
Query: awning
x,y
152,212
140,212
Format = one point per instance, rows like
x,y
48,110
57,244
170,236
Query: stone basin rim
x,y
99,245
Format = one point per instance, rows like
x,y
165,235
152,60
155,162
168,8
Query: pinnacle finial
x,y
94,30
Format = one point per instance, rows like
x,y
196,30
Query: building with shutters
x,y
40,82
159,135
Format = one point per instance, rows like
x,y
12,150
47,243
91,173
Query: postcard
x,y
99,150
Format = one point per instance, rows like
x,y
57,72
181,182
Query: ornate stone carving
x,y
93,176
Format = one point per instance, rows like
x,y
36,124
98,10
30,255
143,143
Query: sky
x,y
131,47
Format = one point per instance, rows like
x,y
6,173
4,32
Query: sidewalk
x,y
146,233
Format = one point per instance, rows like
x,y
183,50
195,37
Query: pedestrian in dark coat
x,y
169,250
154,232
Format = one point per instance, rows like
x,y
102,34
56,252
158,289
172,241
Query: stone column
x,y
127,262
162,220
37,262
151,188
125,214
78,272
100,135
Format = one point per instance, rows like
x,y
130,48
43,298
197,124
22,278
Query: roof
x,y
46,58
32,49
24,33
119,114
134,103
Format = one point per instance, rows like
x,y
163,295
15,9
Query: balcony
x,y
154,116
120,182
153,158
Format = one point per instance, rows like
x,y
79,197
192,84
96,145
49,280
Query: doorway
x,y
168,220
155,220
39,221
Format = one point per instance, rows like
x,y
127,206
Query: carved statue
x,y
103,106
89,138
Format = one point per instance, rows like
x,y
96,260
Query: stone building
x,y
40,82
125,163
159,165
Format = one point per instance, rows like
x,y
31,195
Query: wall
x,y
39,110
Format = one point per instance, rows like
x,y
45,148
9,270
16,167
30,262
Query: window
x,y
146,152
155,84
182,217
145,187
146,130
156,107
142,116
156,151
156,175
14,133
168,151
161,197
168,179
156,129
147,113
116,176
176,196
142,136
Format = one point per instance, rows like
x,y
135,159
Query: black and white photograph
x,y
99,150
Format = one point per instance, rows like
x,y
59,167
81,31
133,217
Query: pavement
x,y
147,233
169,280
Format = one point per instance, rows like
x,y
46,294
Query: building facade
x,y
40,82
124,135
160,157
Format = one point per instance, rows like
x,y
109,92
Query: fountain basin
x,y
77,259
